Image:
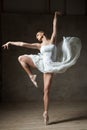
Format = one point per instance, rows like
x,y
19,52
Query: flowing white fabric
x,y
58,59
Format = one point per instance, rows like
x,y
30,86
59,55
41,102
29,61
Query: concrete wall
x,y
21,19
77,7
72,85
0,52
29,6
69,7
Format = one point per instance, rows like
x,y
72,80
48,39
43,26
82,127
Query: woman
x,y
46,60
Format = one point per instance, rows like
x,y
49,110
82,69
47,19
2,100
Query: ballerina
x,y
47,61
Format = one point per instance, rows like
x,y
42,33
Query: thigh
x,y
29,61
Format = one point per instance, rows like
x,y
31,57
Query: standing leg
x,y
26,62
47,85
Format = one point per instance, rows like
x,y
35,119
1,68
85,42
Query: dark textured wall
x,y
69,7
72,85
0,52
19,21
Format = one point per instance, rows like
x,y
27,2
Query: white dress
x,y
49,61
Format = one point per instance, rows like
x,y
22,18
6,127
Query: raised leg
x,y
47,85
26,62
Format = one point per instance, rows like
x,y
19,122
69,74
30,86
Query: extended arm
x,y
22,44
54,33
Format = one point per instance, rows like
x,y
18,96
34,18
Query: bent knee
x,y
21,58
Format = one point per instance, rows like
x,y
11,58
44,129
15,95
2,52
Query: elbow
x,y
22,44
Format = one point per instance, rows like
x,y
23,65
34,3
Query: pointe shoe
x,y
33,79
46,118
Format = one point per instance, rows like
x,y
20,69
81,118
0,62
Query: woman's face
x,y
39,36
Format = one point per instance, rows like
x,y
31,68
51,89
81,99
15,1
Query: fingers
x,y
58,13
6,46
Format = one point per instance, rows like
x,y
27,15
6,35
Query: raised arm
x,y
54,33
22,44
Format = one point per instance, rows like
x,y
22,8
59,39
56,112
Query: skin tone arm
x,y
22,44
36,45
54,34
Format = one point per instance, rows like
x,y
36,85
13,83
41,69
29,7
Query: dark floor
x,y
28,116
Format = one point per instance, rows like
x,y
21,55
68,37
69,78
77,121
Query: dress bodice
x,y
49,53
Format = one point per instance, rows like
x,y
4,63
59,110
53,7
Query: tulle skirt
x,y
68,54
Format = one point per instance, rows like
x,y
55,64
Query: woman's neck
x,y
45,40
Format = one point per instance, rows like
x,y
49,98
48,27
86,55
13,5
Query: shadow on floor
x,y
68,120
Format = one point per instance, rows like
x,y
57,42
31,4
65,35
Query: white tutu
x,y
48,60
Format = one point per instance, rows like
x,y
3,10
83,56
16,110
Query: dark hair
x,y
39,32
42,32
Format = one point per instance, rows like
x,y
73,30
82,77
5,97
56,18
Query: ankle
x,y
31,75
45,113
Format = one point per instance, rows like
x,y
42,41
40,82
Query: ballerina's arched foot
x,y
46,118
33,79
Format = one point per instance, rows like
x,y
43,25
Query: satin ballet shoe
x,y
46,118
33,79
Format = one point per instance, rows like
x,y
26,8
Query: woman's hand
x,y
58,13
6,45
